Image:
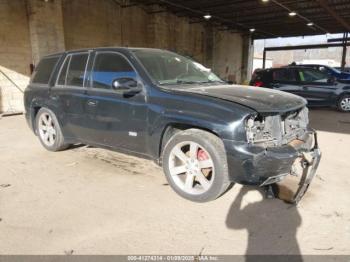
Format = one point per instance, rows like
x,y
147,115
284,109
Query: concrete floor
x,y
92,201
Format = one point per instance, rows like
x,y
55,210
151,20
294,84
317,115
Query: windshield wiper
x,y
214,81
189,82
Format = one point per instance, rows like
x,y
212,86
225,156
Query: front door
x,y
315,86
115,119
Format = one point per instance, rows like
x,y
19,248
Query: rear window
x,y
44,70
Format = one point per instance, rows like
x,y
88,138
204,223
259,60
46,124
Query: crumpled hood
x,y
262,100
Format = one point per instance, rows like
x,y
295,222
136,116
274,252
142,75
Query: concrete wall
x,y
33,28
87,24
91,23
45,27
107,24
227,55
15,53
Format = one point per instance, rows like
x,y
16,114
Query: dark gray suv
x,y
162,106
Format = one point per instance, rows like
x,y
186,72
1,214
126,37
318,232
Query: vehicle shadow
x,y
271,224
329,120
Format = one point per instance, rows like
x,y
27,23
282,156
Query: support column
x,y
209,45
345,42
247,57
46,27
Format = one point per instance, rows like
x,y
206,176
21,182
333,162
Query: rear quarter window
x,y
44,70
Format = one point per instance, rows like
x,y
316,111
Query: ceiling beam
x,y
333,13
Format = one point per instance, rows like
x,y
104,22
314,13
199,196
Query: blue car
x,y
331,71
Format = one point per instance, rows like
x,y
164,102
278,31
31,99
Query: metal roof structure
x,y
263,18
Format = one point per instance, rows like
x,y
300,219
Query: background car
x,y
317,87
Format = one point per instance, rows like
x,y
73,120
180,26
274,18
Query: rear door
x,y
69,93
285,79
315,86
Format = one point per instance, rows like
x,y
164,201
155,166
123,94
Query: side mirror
x,y
331,80
125,85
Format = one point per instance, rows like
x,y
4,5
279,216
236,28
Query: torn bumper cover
x,y
312,160
256,165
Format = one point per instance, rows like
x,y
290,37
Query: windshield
x,y
167,68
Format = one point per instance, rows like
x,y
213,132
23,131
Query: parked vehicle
x,y
162,106
317,87
331,71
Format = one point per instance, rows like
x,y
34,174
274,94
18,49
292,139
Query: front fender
x,y
159,122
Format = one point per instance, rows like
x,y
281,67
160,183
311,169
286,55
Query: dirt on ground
x,y
92,201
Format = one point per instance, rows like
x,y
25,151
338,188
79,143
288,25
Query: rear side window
x,y
44,70
63,73
76,70
284,75
108,67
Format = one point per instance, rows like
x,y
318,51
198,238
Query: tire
x,y
344,103
199,172
49,131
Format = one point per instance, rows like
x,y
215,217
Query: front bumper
x,y
256,165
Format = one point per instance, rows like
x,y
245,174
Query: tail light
x,y
259,83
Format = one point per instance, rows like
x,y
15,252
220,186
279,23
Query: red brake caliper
x,y
202,155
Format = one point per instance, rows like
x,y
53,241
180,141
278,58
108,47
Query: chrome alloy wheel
x,y
191,168
345,104
47,129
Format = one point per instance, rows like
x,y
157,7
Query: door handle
x,y
305,88
92,103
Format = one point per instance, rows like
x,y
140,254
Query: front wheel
x,y
195,165
344,103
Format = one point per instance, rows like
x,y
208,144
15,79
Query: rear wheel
x,y
344,103
49,131
195,165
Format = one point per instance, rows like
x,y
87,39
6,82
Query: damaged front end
x,y
289,130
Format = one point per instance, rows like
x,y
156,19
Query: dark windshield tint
x,y
108,67
44,70
168,68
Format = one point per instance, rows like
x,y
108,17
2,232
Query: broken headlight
x,y
277,129
263,129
